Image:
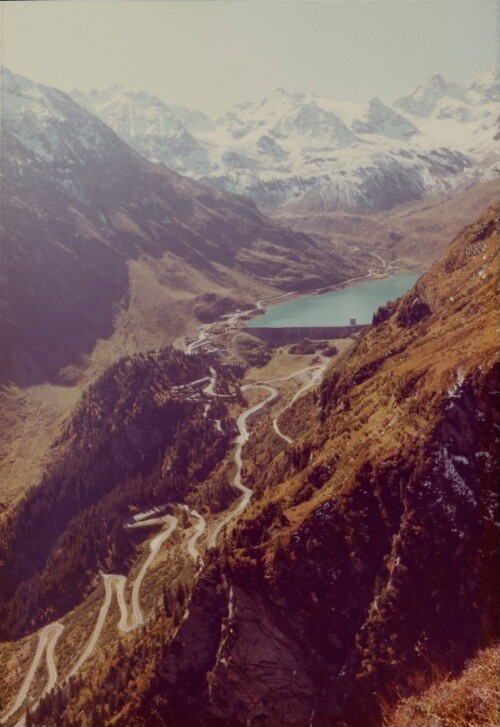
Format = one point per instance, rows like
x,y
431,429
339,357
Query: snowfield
x,y
321,153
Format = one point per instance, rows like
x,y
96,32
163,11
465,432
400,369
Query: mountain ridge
x,y
292,149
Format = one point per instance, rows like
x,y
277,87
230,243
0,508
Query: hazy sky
x,y
210,55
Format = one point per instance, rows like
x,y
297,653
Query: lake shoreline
x,y
288,299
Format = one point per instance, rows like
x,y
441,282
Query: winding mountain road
x,y
154,546
200,528
382,261
199,340
317,374
241,440
315,380
118,582
46,643
51,633
115,582
278,431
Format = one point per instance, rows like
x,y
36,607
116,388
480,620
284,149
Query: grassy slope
x,y
415,233
470,700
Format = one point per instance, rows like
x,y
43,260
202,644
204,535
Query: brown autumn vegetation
x,y
366,568
373,537
470,700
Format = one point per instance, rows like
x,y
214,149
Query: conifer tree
x,y
181,595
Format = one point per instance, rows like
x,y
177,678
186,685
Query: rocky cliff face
x,y
367,565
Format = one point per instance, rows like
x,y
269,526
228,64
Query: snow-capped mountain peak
x,y
118,97
381,119
161,132
284,115
298,149
48,124
422,101
485,88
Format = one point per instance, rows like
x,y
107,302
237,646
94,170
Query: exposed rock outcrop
x,y
260,675
414,312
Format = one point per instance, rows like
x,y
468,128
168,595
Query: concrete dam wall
x,y
284,336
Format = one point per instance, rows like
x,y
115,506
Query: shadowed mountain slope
x,y
136,438
78,206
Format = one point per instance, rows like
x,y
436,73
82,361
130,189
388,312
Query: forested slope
x,y
134,439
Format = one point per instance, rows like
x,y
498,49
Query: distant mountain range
x,y
311,154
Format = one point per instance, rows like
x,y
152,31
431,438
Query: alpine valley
x,y
199,529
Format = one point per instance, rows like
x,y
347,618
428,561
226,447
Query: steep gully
x,y
50,634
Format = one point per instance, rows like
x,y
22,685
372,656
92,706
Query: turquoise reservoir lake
x,y
358,301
